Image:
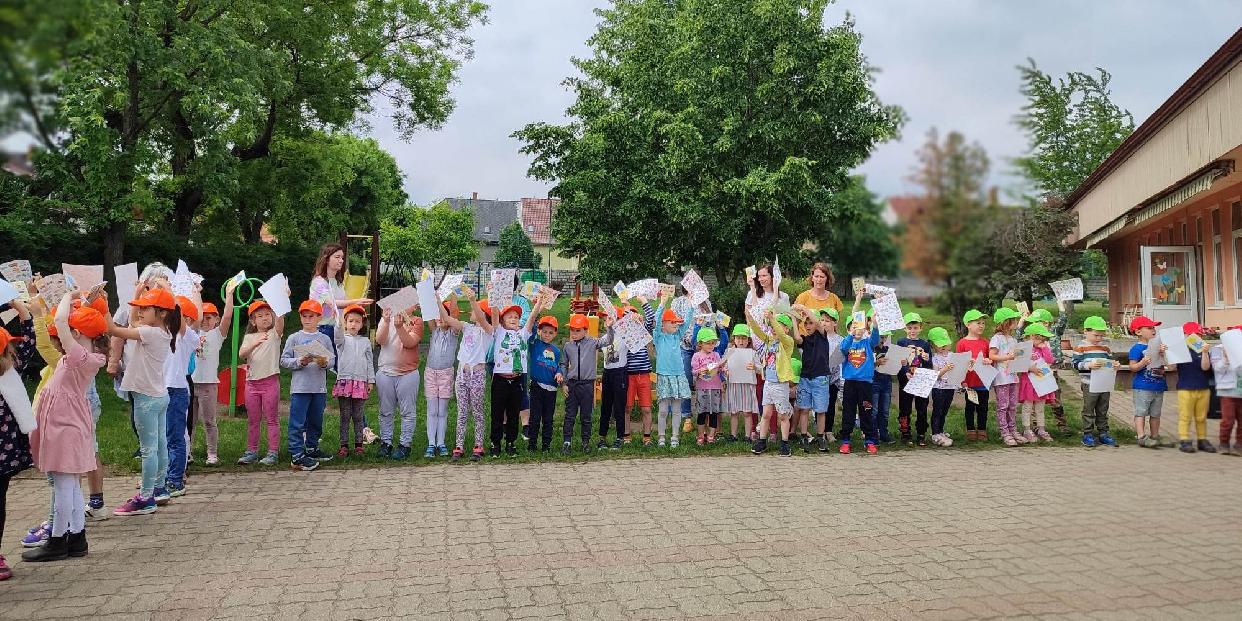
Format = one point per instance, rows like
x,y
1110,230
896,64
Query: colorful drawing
x,y
1168,278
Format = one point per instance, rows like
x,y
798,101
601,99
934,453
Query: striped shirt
x,y
1085,352
640,361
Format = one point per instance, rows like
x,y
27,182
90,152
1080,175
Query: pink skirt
x,y
354,389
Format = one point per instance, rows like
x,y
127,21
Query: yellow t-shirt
x,y
808,299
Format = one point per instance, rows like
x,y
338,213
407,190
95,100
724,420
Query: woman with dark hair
x,y
328,288
763,285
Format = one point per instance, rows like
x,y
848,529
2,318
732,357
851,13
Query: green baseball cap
x,y
741,329
870,312
785,319
831,312
913,318
796,363
1095,322
1005,313
973,315
939,337
706,335
1040,315
1037,329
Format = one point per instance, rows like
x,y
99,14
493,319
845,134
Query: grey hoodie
x,y
580,359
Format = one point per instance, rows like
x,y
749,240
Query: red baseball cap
x,y
5,338
352,308
1192,327
1142,322
88,322
512,308
549,320
312,306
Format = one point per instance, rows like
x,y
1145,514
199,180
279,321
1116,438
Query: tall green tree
x,y
706,133
439,237
862,243
514,246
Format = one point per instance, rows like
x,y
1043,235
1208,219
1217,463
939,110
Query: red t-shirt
x,y
977,348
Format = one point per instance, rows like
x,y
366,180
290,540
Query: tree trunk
x,y
190,197
114,245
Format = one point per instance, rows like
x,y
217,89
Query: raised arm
x,y
63,331
226,315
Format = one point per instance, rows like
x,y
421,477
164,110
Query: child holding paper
x,y
881,384
814,387
740,399
355,376
638,382
1031,403
672,387
1149,383
1091,354
920,358
942,392
1044,317
977,408
859,373
545,383
511,355
707,385
397,379
260,349
1005,386
438,375
476,342
308,389
215,328
776,354
16,414
176,378
1226,374
615,385
1193,396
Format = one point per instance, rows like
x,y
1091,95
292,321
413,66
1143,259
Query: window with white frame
x,y
1218,262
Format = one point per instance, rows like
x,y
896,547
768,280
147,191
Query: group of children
x,y
772,374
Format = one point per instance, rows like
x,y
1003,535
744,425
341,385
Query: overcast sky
x,y
948,63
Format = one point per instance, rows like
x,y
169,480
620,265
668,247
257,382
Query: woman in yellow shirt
x,y
818,296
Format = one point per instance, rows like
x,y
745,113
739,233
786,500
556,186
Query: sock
x,y
97,500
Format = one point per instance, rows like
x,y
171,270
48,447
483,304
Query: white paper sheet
x,y
888,313
922,383
776,276
7,316
183,281
621,291
500,288
276,293
696,289
126,282
403,299
531,289
606,308
1153,352
1176,351
8,292
751,272
961,366
428,302
893,360
648,288
859,284
52,288
1046,382
1070,289
84,276
1232,342
631,331
1103,379
16,270
1022,361
450,285
987,372
667,289
869,289
722,319
238,278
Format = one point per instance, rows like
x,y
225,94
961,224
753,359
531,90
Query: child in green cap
x,y
776,354
1031,403
1093,353
705,364
1042,316
976,407
920,358
1005,386
942,392
740,399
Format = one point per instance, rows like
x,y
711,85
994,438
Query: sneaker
x,y
304,463
700,440
1186,447
37,536
660,444
1030,436
1009,440
566,448
674,443
401,452
1236,452
922,441
176,491
510,450
248,458
1149,442
731,438
946,439
1206,446
96,513
5,572
646,441
526,433
189,459
1107,440
442,450
430,452
269,459
318,455
823,444
385,449
845,448
601,445
457,453
476,454
616,444
358,452
760,447
212,459
162,497
1224,449
785,452
872,449
586,447
1043,435
342,452
1019,438
136,506
1088,440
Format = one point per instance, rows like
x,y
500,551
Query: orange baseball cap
x,y
669,315
210,309
352,308
88,322
100,304
578,321
255,306
485,307
625,309
312,306
159,298
188,309
6,338
549,320
512,308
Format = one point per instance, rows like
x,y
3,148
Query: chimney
x,y
474,196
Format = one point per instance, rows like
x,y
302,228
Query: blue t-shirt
x,y
1191,376
860,357
1147,379
545,361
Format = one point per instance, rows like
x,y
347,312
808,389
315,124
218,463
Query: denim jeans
x,y
178,408
305,421
882,400
151,422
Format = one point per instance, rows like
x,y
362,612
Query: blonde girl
x,y
260,349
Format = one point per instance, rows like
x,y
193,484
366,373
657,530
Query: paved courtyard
x,y
1125,533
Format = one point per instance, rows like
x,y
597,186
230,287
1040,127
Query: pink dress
x,y
1026,392
64,440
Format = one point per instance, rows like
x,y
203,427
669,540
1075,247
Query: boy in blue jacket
x,y
858,346
545,379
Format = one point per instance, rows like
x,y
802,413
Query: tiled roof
x,y
537,219
490,216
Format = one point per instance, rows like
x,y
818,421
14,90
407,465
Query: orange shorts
x,y
640,390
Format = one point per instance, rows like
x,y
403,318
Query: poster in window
x,y
1168,278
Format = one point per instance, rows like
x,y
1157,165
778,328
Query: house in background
x,y
490,217
899,210
1166,205
19,164
536,218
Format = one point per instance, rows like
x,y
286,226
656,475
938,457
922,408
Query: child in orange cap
x,y
580,367
260,349
545,381
355,375
438,375
16,414
214,329
62,442
672,387
308,387
177,380
511,360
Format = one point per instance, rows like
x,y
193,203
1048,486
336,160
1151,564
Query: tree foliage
x,y
439,237
706,133
861,243
516,248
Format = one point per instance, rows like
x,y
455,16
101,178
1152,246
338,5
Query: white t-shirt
x,y
512,349
145,372
177,366
207,366
475,343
